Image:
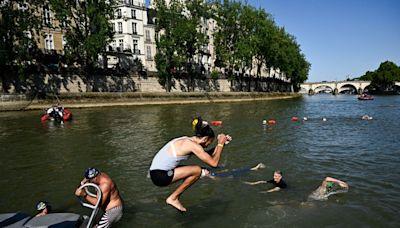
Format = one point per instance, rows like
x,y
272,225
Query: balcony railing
x,y
123,49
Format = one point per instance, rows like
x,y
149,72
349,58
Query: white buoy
x,y
324,119
305,118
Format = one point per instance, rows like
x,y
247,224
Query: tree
x,y
87,28
227,34
181,38
384,77
19,25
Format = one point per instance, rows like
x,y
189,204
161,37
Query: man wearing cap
x,y
43,208
329,185
111,201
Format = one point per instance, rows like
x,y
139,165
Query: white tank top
x,y
164,160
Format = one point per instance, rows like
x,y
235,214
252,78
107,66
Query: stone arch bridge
x,y
335,86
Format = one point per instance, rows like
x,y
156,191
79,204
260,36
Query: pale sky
x,y
340,38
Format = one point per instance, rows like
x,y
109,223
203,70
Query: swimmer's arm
x,y
255,183
341,183
206,158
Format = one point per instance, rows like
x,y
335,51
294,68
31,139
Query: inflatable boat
x,y
20,219
67,115
365,97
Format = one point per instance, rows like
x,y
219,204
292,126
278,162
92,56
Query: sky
x,y
341,39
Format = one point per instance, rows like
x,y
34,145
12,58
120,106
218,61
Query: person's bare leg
x,y
191,174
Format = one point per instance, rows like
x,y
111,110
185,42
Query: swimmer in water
x,y
228,173
277,181
329,186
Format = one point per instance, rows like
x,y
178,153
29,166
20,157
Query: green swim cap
x,y
329,185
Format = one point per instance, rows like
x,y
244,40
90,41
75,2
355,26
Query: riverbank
x,y
90,100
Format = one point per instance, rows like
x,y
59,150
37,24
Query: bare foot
x,y
259,166
175,203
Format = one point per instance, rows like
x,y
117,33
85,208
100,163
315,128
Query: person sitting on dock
x,y
111,201
43,208
277,181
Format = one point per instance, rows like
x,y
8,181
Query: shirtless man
x,y
111,201
328,186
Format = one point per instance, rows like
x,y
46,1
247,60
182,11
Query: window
x,y
64,41
64,22
134,30
135,46
119,27
48,41
46,15
148,35
119,13
121,44
133,13
23,6
113,27
148,53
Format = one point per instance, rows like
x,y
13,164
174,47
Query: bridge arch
x,y
348,87
323,89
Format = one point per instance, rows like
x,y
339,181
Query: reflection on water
x,y
46,161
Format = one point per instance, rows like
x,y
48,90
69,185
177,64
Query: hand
x,y
84,181
221,138
343,185
80,192
228,139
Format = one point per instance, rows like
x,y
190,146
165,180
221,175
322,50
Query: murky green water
x,y
46,162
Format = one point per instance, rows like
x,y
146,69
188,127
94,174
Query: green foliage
x,y
384,77
260,41
181,38
87,28
19,24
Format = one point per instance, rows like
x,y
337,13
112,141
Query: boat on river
x,y
365,97
20,219
58,114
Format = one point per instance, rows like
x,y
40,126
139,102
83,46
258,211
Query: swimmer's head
x,y
329,185
42,205
203,130
277,175
91,173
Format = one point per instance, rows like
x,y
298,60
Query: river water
x,y
46,161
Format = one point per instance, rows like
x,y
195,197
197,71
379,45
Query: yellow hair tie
x,y
194,123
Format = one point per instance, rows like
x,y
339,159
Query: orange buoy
x,y
294,118
271,121
217,122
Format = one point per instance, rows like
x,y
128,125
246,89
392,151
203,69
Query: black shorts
x,y
161,178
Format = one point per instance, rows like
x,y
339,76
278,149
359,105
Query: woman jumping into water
x,y
165,168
